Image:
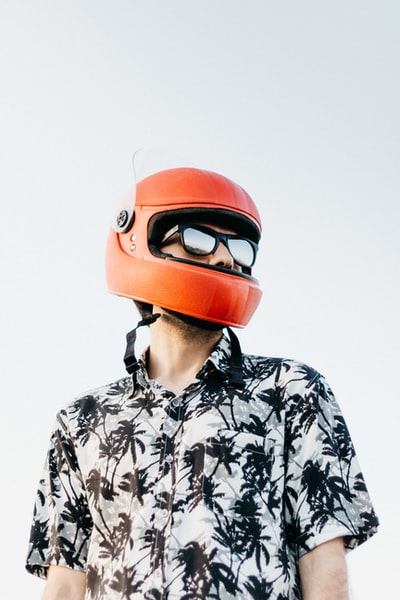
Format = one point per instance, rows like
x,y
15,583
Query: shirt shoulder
x,y
106,398
284,370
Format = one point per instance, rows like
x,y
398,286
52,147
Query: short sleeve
x,y
62,523
325,493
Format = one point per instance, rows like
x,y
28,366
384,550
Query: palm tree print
x,y
210,495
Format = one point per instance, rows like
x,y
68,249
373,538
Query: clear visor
x,y
145,162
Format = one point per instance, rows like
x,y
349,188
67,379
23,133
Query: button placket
x,y
166,483
171,436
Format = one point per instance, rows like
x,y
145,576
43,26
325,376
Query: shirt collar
x,y
219,360
220,357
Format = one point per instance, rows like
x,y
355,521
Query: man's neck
x,y
178,350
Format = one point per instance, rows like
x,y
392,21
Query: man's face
x,y
193,237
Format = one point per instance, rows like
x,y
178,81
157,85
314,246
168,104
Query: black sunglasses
x,y
202,241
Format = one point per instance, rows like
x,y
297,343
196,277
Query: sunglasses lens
x,y
197,242
242,251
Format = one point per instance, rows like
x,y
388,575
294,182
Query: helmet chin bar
x,y
207,293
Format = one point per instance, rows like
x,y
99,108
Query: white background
x,y
299,103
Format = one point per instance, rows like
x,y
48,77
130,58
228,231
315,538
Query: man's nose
x,y
222,257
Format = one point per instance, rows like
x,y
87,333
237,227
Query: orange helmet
x,y
137,269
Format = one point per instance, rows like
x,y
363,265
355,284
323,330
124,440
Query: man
x,y
205,473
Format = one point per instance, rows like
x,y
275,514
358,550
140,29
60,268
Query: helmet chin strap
x,y
130,359
235,370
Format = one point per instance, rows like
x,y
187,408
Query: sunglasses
x,y
199,240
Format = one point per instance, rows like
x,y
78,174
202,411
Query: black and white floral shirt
x,y
214,493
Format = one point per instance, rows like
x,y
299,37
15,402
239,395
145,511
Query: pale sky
x,y
296,101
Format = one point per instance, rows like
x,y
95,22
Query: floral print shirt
x,y
211,494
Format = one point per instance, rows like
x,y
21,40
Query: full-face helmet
x,y
137,268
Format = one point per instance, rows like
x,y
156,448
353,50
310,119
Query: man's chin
x,y
194,322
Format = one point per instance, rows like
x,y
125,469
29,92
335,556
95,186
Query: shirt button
x,y
168,459
175,402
